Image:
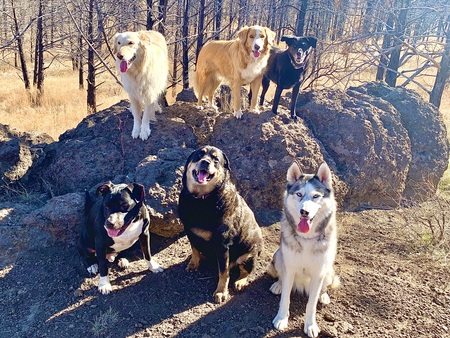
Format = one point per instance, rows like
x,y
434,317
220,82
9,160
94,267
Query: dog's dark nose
x,y
204,163
304,213
119,56
257,47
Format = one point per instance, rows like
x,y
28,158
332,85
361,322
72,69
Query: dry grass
x,y
63,106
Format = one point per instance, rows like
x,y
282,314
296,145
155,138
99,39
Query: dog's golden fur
x,y
236,63
142,59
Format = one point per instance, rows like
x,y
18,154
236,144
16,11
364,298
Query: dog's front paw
x,y
123,263
240,284
280,323
275,288
154,266
255,110
193,265
93,269
312,330
136,131
238,114
104,286
221,296
145,132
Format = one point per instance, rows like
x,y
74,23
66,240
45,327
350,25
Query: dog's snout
x,y
119,56
304,213
204,163
257,47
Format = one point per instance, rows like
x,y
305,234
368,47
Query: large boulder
x,y
18,152
381,144
428,136
365,137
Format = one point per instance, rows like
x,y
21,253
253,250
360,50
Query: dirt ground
x,y
390,287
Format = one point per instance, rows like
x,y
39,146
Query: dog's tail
x,y
193,81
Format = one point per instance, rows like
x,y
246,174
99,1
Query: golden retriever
x,y
236,63
142,59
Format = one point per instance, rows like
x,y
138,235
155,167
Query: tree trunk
x,y
91,98
300,27
80,63
387,41
162,13
218,21
394,62
40,55
150,21
23,62
201,24
444,73
185,44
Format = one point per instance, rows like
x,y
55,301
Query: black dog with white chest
x,y
113,224
217,221
287,68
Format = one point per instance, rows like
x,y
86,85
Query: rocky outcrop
x,y
381,143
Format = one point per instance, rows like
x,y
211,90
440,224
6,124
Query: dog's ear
x,y
115,38
143,38
312,41
104,188
270,36
226,162
324,175
293,173
242,34
137,192
288,39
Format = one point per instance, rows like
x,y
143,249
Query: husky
x,y
305,257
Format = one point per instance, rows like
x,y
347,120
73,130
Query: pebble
x,y
329,317
78,293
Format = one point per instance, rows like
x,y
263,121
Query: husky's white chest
x,y
129,236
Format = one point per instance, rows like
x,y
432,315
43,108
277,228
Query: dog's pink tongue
x,y
123,66
304,226
256,54
202,175
112,232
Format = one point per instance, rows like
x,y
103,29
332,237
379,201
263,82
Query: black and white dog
x,y
113,224
287,69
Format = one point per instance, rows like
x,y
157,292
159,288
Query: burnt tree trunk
x,y
150,21
387,42
300,27
91,97
185,44
162,13
39,67
201,25
21,52
444,73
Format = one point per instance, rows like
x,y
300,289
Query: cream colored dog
x,y
142,59
236,63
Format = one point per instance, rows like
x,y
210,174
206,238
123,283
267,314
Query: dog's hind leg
x,y
149,115
276,99
254,88
265,87
136,108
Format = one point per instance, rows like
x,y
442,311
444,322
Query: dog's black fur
x,y
118,201
218,222
286,68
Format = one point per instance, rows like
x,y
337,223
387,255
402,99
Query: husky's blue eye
x,y
316,196
299,194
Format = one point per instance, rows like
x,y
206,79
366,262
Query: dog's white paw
x,y
312,330
145,132
324,298
154,266
136,131
255,110
123,263
93,269
275,288
200,107
104,286
280,323
238,114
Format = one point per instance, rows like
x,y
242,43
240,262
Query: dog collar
x,y
294,64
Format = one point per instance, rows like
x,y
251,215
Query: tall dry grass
x,y
63,105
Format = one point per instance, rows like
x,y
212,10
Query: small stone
x,y
329,317
78,293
